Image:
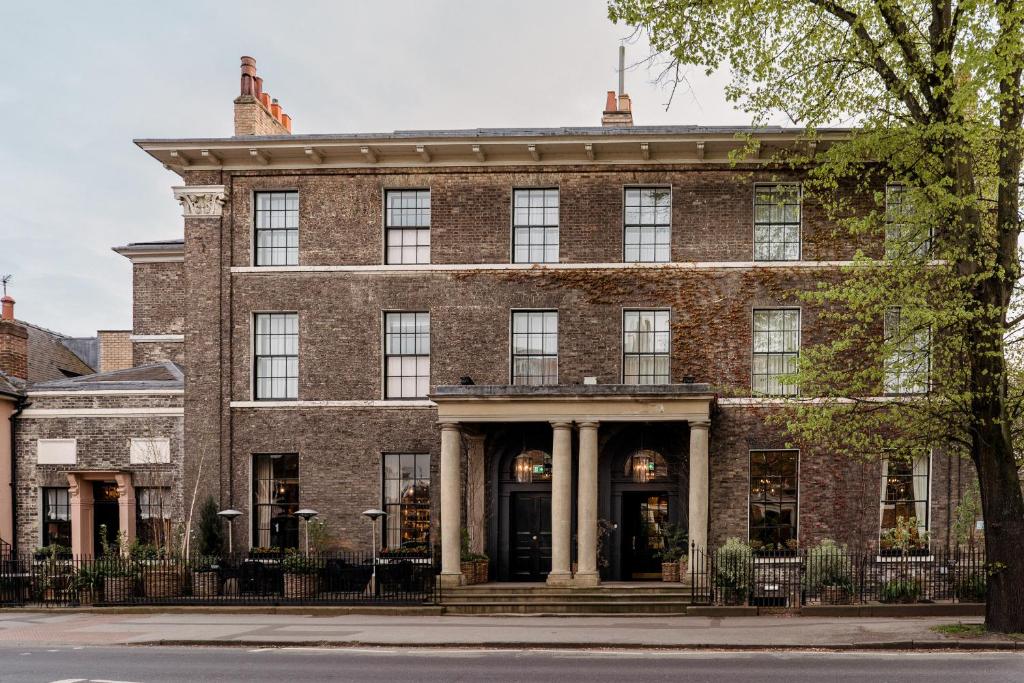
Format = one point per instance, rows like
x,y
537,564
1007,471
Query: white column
x,y
699,483
561,503
586,535
451,527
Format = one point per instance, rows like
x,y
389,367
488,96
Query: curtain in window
x,y
265,482
921,490
885,481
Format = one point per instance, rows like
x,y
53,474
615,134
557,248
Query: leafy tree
x,y
925,345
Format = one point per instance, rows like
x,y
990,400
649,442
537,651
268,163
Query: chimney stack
x,y
256,113
13,342
618,112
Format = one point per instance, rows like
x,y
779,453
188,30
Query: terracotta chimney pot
x,y
265,99
287,121
8,308
610,102
275,109
258,87
624,103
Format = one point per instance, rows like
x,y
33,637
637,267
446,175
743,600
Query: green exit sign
x,y
538,469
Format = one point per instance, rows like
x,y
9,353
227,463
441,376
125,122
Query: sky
x,y
81,80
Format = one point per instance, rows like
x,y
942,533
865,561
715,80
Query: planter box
x,y
835,595
670,572
481,570
729,596
684,570
86,597
205,584
300,586
162,583
468,570
118,588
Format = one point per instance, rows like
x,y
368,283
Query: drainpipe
x,y
20,406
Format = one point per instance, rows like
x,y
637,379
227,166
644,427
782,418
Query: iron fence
x,y
337,578
832,575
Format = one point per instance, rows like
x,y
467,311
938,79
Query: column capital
x,y
449,426
201,201
700,424
561,424
588,424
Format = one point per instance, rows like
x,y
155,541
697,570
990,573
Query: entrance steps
x,y
618,598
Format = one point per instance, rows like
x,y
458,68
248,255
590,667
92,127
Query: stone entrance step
x,y
611,598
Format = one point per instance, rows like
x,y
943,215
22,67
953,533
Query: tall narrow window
x,y
773,499
776,350
153,516
277,228
903,237
407,226
535,226
907,365
535,347
275,500
276,359
407,499
56,517
406,355
905,505
648,224
645,347
777,222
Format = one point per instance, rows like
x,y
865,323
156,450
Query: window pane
x,y
276,360
647,225
276,227
535,347
773,499
775,350
407,226
407,354
777,222
645,345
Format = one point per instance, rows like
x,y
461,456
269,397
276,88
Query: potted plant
x,y
300,575
467,560
205,577
829,573
733,569
161,573
902,590
482,567
86,584
55,571
908,537
117,572
673,546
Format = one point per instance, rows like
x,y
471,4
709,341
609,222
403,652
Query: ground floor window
x,y
773,499
56,517
275,500
407,499
153,516
905,492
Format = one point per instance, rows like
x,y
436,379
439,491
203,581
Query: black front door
x,y
530,537
644,516
105,514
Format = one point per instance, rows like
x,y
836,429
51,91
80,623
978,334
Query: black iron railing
x,y
339,578
736,575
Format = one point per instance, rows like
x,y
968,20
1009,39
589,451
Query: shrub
x,y
296,563
211,529
674,543
827,565
734,565
900,590
971,586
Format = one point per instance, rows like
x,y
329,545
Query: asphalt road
x,y
160,664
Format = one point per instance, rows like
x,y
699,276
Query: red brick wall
x,y
13,349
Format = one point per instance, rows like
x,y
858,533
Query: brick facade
x,y
115,349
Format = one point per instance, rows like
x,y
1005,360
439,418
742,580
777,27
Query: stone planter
x,y
161,582
300,586
835,595
204,584
684,569
118,588
670,572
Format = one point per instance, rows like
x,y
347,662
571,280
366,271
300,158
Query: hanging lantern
x,y
643,467
524,468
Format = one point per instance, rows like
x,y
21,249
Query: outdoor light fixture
x,y
230,514
643,467
524,468
373,514
306,514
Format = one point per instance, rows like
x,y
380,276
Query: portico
x,y
574,413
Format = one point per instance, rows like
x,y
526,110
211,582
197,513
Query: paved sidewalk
x,y
256,629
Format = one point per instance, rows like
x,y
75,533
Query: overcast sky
x,y
82,79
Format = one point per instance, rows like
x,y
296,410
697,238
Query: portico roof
x,y
578,402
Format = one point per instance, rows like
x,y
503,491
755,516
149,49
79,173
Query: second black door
x,y
644,516
106,515
530,538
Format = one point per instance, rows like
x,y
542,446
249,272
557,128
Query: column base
x,y
452,580
559,579
586,580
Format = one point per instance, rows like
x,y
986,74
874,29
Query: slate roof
x,y
9,386
165,375
50,354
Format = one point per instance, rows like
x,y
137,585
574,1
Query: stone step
x,y
452,598
568,608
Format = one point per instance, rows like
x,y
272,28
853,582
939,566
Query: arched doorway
x,y
646,492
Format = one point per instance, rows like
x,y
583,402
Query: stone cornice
x,y
200,200
652,146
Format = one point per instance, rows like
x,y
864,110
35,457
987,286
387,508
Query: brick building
x,y
517,331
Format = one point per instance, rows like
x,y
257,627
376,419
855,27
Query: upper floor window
x,y
648,224
906,366
407,226
56,517
645,347
535,347
277,228
406,355
773,499
903,237
276,357
407,499
777,222
535,226
776,350
905,504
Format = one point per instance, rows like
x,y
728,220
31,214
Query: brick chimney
x,y
256,113
617,113
13,342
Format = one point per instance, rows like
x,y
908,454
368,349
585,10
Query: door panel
x,y
530,537
105,512
644,516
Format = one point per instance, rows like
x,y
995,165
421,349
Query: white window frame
x,y
622,339
753,353
800,220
